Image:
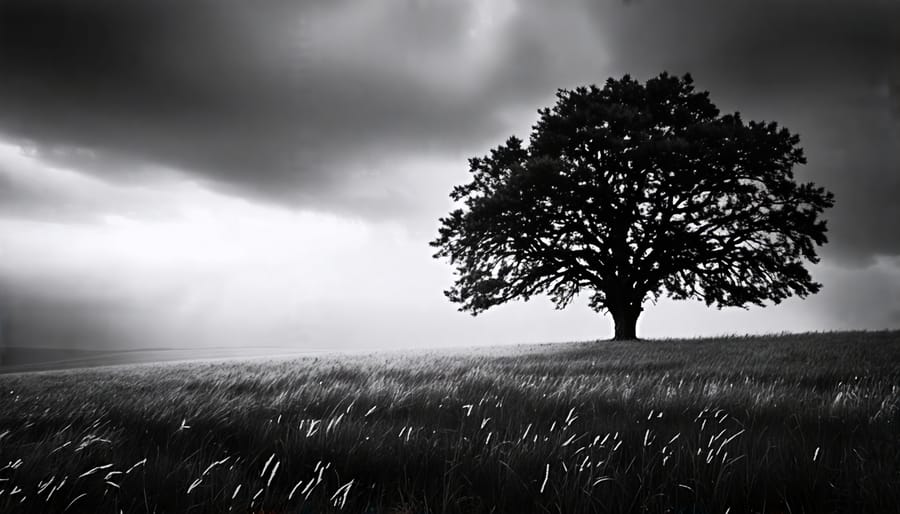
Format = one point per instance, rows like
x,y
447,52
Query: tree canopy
x,y
631,192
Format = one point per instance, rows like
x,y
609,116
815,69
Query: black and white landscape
x,y
240,243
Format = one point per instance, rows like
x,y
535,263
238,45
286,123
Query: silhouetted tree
x,y
630,192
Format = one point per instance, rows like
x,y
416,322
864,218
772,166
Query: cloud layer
x,y
367,111
310,103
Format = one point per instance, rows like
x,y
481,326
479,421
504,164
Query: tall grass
x,y
781,424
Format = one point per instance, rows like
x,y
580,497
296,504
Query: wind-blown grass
x,y
801,423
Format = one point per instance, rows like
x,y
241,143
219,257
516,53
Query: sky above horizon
x,y
231,173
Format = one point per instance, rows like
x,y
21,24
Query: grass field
x,y
782,424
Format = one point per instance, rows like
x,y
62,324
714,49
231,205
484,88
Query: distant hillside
x,y
17,359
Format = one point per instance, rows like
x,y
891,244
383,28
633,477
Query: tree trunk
x,y
625,321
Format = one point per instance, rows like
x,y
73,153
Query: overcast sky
x,y
224,172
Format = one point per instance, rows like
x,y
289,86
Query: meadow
x,y
806,423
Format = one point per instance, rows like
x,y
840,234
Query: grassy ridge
x,y
801,423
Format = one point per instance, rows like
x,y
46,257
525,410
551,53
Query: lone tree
x,y
631,192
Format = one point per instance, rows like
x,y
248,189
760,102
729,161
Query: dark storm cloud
x,y
309,103
250,97
184,84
